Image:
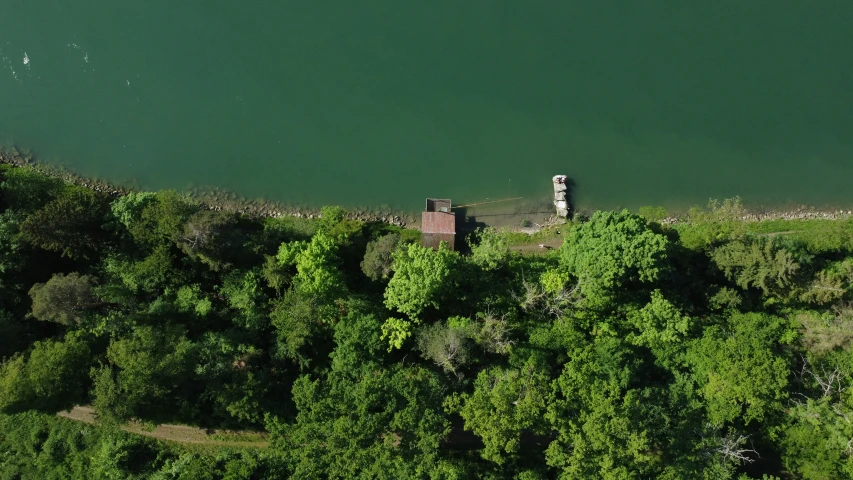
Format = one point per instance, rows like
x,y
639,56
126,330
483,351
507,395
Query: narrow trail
x,y
179,433
540,248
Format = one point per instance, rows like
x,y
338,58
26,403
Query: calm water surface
x,y
386,101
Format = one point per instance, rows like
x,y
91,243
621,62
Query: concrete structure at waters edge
x,y
438,223
560,200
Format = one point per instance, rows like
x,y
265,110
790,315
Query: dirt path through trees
x,y
179,433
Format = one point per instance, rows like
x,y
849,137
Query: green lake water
x,y
389,101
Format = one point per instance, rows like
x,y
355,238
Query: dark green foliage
x,y
371,422
207,237
143,373
162,219
25,190
70,224
712,349
299,326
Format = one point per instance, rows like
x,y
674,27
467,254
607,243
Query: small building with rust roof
x,y
438,223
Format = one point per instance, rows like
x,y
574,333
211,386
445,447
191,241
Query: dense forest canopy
x,y
713,348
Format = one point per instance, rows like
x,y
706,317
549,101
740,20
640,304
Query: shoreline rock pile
x,y
560,196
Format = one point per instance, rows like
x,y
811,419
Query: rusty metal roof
x,y
433,240
438,222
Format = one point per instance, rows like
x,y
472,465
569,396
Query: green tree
x,y
446,344
244,293
206,236
50,377
317,266
144,372
26,190
490,248
378,258
300,329
150,275
12,258
63,299
127,209
421,277
816,437
366,423
505,403
70,224
757,263
740,370
612,251
162,221
661,327
604,427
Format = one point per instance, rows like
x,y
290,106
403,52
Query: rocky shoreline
x,y
223,200
209,198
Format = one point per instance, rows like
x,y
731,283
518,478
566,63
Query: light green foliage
x,y
492,333
378,257
816,440
446,344
396,331
602,425
218,353
739,369
491,249
758,263
143,371
653,214
50,377
611,251
128,208
317,264
191,299
330,216
70,224
244,293
368,423
820,236
505,403
725,299
830,284
658,323
63,299
150,275
720,221
421,277
41,446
